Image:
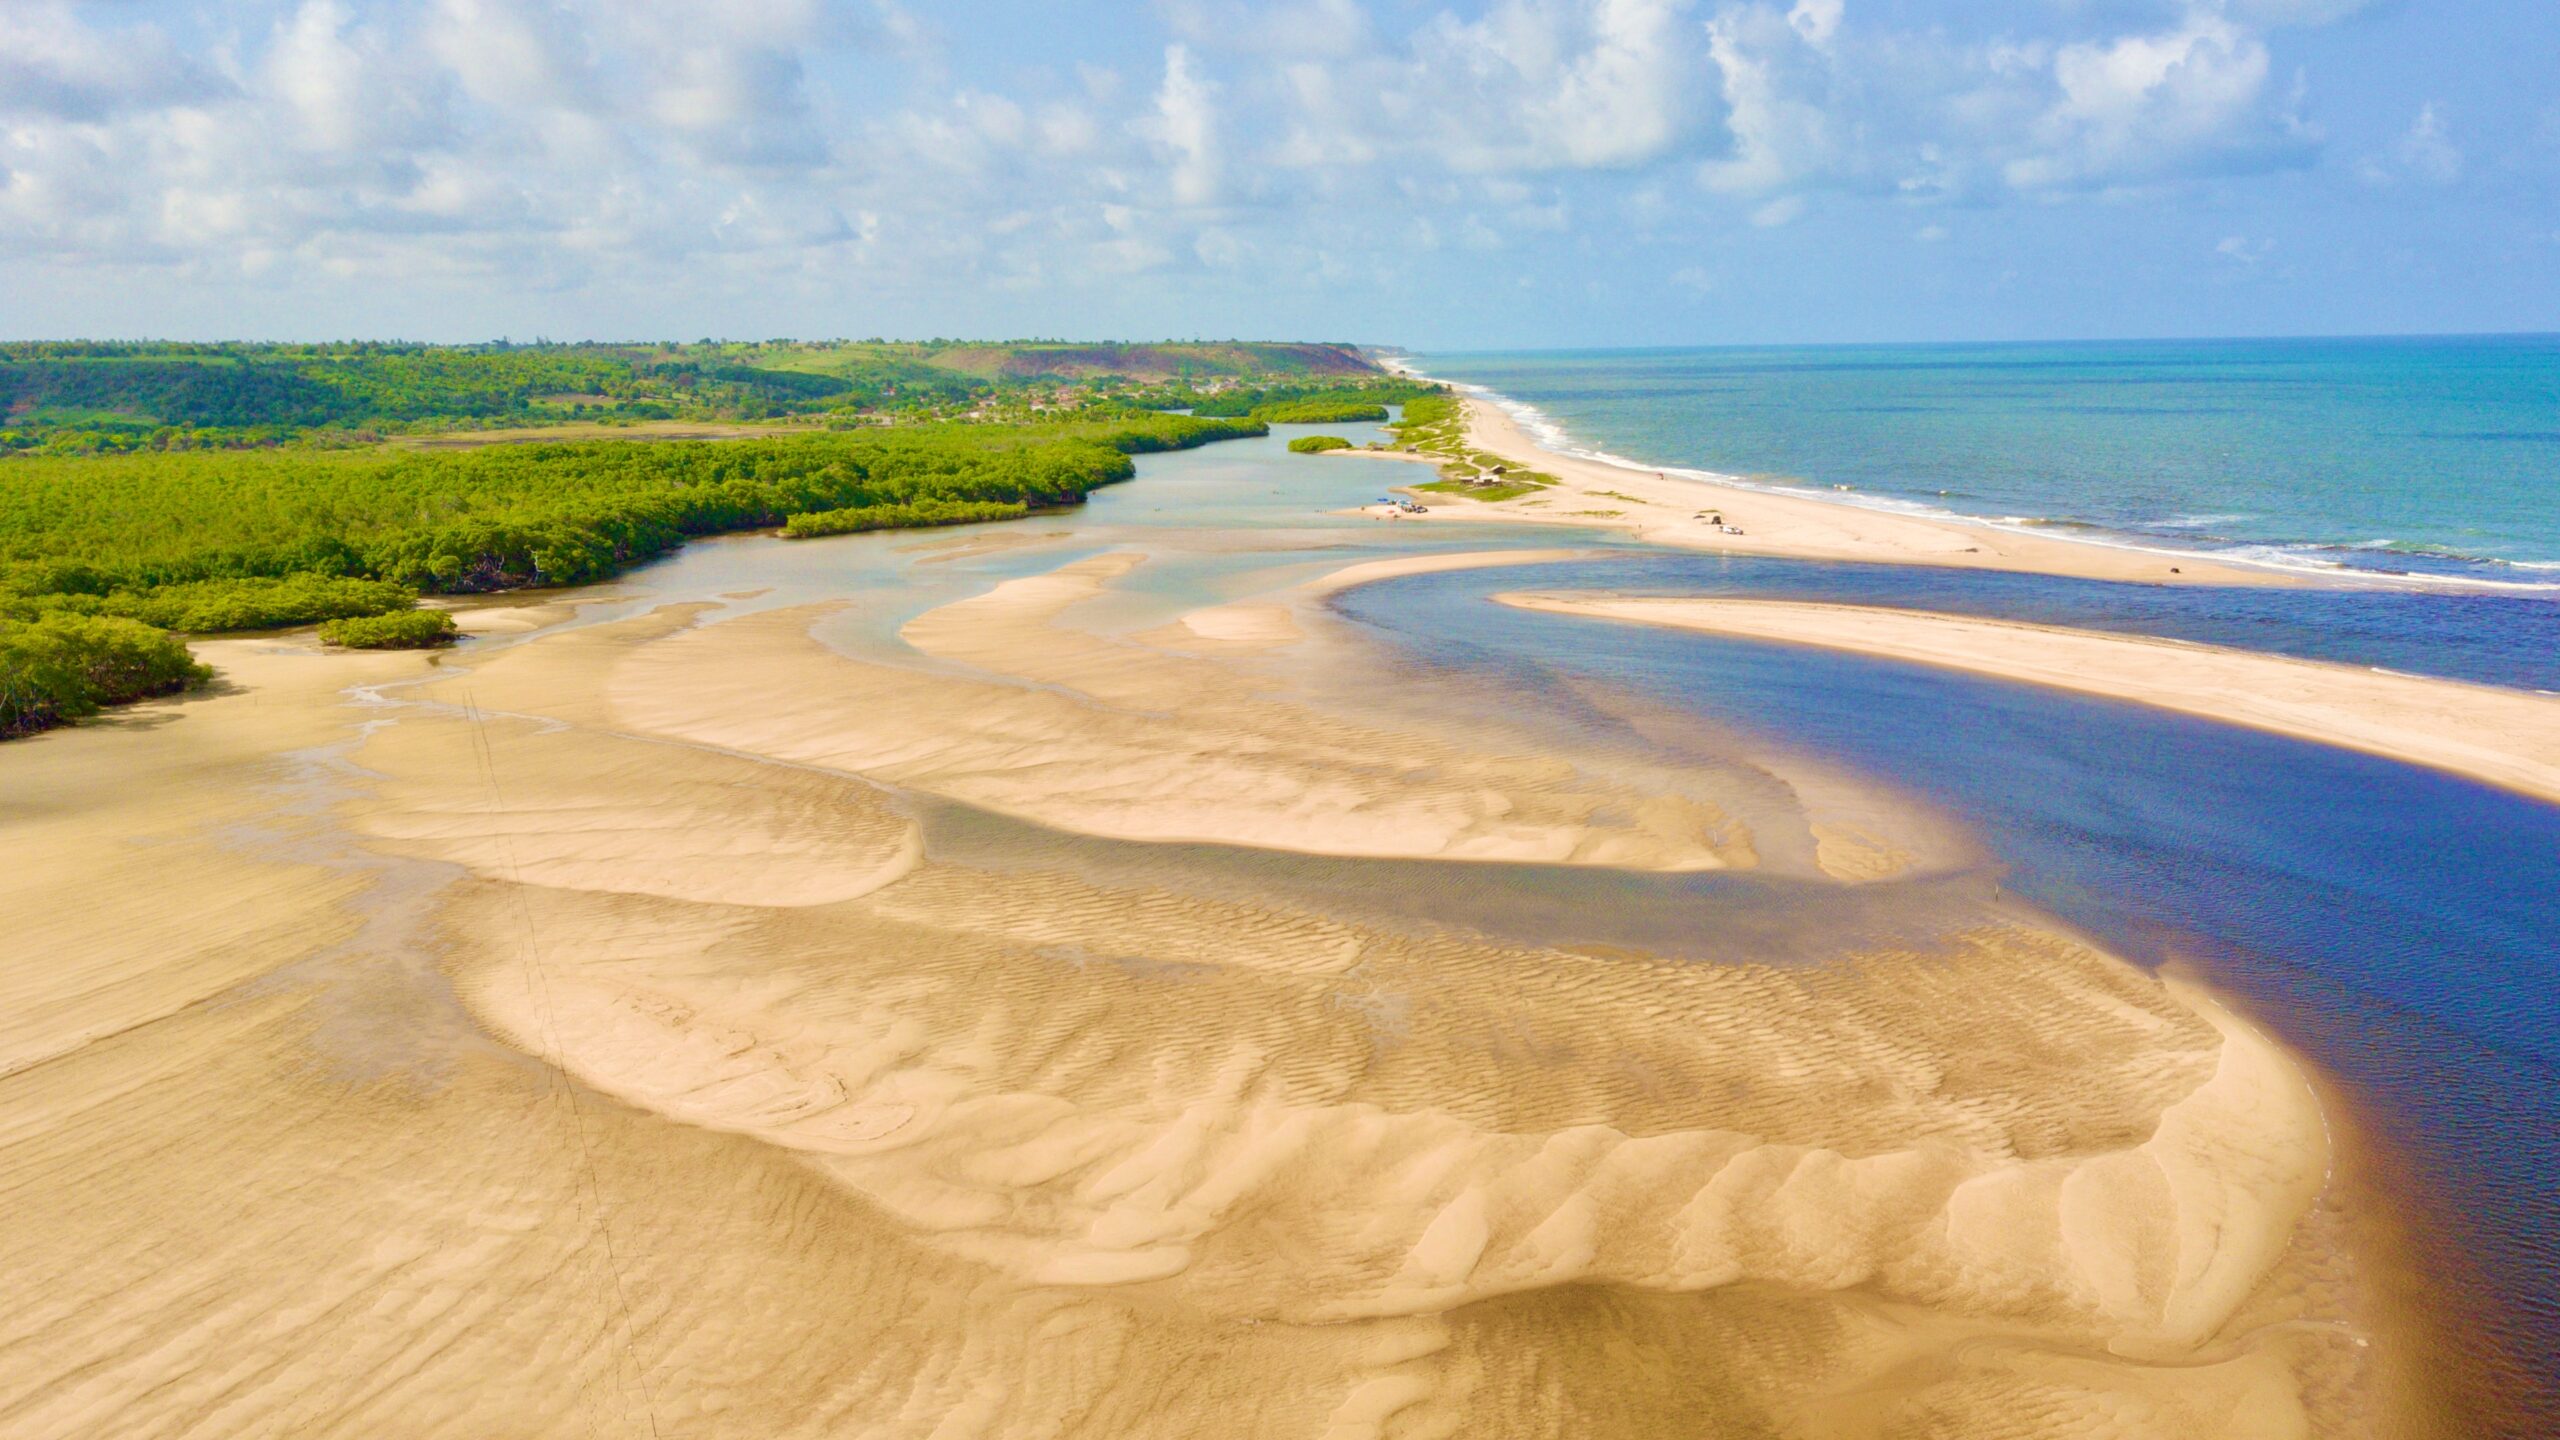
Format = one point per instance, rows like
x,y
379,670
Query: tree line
x,y
99,556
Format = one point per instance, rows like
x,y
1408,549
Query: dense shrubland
x,y
103,550
1340,411
901,516
398,630
1318,444
59,666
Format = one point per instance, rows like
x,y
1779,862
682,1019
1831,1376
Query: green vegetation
x,y
1436,425
200,542
96,398
1341,411
59,666
258,603
1300,403
915,515
150,489
398,630
1489,492
1318,444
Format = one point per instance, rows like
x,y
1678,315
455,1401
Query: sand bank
x,y
2502,737
1114,736
1676,511
576,1039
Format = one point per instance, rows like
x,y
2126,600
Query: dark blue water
x,y
2431,456
2488,638
2399,927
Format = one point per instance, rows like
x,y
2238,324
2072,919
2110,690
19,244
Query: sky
x,y
1521,174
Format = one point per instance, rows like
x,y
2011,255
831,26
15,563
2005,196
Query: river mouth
x,y
1093,941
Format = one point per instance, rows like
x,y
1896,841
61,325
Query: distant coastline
x,y
2292,564
1690,509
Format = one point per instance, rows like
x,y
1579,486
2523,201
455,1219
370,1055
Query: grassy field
x,y
1435,425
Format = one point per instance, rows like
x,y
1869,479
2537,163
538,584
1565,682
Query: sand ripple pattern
x,y
596,1047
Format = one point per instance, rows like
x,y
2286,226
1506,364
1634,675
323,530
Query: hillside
x,y
85,397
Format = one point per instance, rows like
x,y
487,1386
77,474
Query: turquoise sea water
x,y
2417,456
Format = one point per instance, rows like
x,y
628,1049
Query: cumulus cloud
x,y
1532,85
1813,100
1775,72
574,140
2138,106
1185,126
57,63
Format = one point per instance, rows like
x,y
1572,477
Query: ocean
x,y
2420,458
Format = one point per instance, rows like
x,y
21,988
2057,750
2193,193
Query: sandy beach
x,y
1678,511
580,1036
2505,738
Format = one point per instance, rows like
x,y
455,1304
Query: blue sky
x,y
1520,174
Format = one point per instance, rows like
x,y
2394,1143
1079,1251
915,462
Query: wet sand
x,y
2505,738
582,1036
1677,512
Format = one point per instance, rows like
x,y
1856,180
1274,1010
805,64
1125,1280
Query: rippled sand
x,y
585,1038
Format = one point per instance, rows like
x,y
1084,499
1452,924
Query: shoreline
x,y
1682,512
2505,738
1813,526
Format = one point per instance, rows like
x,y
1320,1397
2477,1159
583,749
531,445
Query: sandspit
x,y
2505,738
1682,512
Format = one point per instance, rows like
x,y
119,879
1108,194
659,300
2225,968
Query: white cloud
x,y
1185,125
1811,101
592,141
1781,211
2141,106
2425,152
1530,86
2243,249
1775,97
1816,20
54,62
